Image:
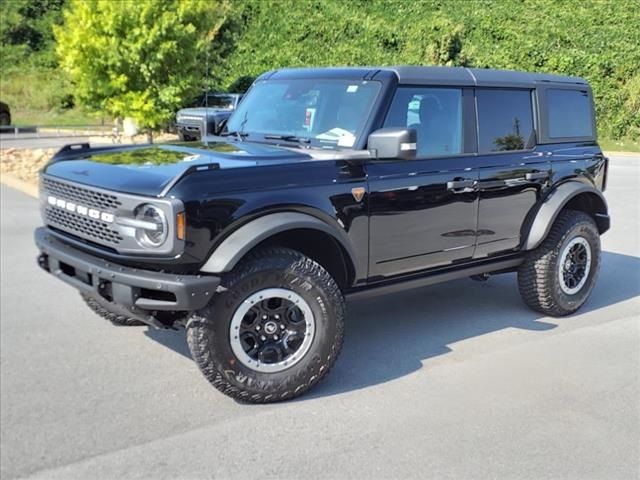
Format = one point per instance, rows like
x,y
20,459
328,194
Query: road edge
x,y
18,184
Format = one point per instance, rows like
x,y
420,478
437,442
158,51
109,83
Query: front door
x,y
423,212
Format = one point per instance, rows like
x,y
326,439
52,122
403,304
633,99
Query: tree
x,y
25,32
138,59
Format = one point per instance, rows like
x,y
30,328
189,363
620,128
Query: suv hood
x,y
149,169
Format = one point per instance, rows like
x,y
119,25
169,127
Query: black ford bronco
x,y
328,184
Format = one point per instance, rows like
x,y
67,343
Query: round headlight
x,y
155,233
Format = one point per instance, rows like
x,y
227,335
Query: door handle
x,y
537,176
461,186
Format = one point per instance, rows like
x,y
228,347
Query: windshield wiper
x,y
288,138
239,135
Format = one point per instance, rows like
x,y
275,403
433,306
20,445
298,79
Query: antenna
x,y
205,127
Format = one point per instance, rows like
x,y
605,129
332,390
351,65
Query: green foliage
x,y
26,33
138,59
598,40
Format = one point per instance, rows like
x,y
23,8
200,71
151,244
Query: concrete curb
x,y
18,184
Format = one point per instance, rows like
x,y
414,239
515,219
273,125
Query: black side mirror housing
x,y
393,143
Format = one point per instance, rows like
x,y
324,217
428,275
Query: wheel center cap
x,y
270,327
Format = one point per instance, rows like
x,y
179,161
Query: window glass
x,y
569,113
326,113
435,113
223,102
505,119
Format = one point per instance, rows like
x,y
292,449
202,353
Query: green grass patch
x,y
64,118
609,145
39,96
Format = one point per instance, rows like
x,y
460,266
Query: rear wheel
x,y
557,277
276,330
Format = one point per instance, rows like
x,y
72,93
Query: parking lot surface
x,y
458,380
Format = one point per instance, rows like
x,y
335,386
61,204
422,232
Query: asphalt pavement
x,y
458,380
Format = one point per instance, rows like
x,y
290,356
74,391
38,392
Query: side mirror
x,y
397,143
220,126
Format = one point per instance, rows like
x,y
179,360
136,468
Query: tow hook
x,y
43,261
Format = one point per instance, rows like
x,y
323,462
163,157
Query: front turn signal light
x,y
181,225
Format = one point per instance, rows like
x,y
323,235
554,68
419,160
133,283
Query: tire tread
x,y
534,282
293,387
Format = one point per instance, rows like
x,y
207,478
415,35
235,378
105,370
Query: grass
x,y
64,118
37,96
609,145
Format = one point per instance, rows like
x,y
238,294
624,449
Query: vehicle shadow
x,y
390,336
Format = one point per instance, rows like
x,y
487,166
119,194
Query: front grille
x,y
83,196
83,226
97,216
78,224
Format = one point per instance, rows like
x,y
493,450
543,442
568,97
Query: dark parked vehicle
x,y
329,184
209,116
5,114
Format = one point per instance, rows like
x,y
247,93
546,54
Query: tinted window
x,y
569,113
435,113
505,119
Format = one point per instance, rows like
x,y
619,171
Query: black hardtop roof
x,y
414,75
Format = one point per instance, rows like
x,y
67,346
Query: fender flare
x,y
555,202
242,240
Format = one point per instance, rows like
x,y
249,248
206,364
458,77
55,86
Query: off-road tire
x,y
104,312
538,278
208,330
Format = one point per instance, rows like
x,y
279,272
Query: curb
x,y
18,184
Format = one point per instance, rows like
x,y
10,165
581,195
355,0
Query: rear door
x,y
423,212
512,173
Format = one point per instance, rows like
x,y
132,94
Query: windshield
x,y
219,101
321,113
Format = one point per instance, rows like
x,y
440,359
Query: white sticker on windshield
x,y
352,88
346,140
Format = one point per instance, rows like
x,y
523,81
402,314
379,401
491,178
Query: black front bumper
x,y
138,291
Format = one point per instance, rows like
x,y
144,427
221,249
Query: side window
x,y
569,113
505,119
435,113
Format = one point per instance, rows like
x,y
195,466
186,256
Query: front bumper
x,y
191,130
138,291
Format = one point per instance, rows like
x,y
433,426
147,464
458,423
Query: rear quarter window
x,y
569,113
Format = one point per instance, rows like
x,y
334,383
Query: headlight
x,y
152,228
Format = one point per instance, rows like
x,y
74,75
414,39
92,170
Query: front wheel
x,y
557,277
274,332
